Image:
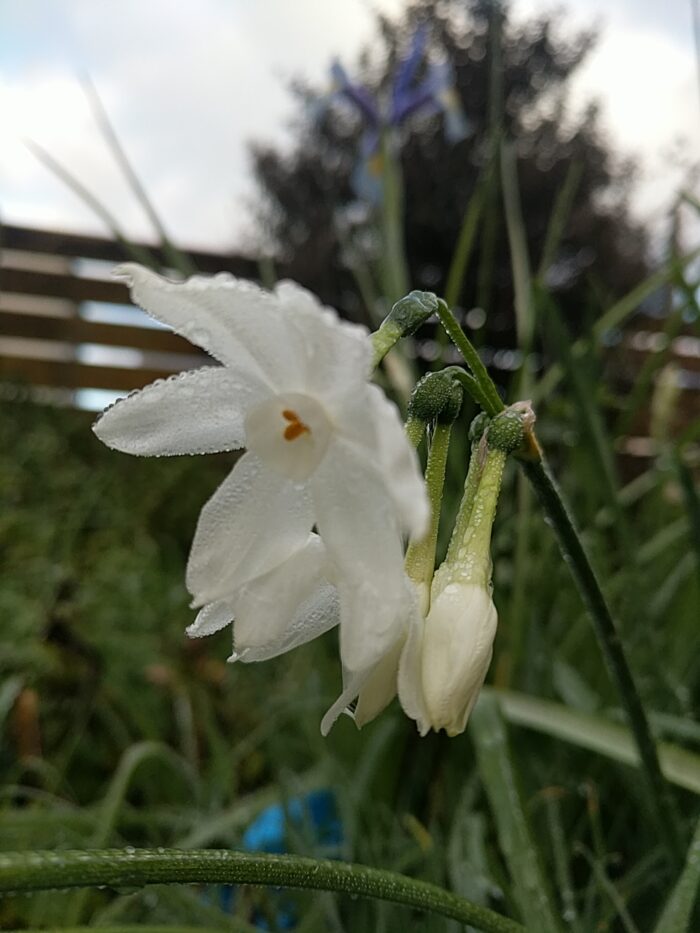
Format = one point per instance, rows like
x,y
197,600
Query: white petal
x,y
410,677
197,412
380,687
266,606
457,651
399,462
234,320
210,619
316,615
352,684
357,522
252,523
339,354
369,421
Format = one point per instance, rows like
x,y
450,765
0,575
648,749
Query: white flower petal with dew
x,y
371,584
198,412
253,522
289,605
456,653
235,321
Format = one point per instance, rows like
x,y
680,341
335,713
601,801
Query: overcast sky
x,y
187,84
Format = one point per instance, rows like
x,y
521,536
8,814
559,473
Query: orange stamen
x,y
296,427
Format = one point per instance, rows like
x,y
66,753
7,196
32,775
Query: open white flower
x,y
325,448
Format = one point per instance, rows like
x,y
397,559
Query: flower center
x,y
289,433
296,427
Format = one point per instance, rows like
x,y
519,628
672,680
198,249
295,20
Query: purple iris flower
x,y
408,97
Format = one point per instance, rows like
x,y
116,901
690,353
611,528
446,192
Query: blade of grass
x,y
559,217
519,259
644,378
500,780
678,911
465,242
130,762
23,872
174,256
589,415
562,868
680,767
613,317
659,797
136,252
691,498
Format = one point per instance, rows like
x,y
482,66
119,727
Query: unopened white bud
x,y
457,649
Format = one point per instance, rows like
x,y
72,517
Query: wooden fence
x,y
48,284
54,285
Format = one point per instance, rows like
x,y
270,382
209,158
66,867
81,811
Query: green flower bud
x,y
404,319
411,311
506,432
436,397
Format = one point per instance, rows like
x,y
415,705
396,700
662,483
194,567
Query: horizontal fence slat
x,y
92,247
30,282
77,330
75,375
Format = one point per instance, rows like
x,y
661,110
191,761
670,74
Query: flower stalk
x,y
420,557
534,465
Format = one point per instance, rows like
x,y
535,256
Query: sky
x,y
189,85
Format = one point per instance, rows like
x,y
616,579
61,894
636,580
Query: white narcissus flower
x,y
325,448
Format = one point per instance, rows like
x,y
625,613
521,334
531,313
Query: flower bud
x,y
404,319
436,397
457,649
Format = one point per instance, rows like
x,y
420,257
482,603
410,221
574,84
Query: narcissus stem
x,y
534,466
420,557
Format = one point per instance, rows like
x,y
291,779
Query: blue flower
x,y
408,97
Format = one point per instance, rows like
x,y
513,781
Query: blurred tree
x,y
306,194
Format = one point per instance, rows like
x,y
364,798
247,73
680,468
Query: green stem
x,y
471,484
396,272
469,555
22,872
420,557
491,399
609,640
383,340
469,383
415,429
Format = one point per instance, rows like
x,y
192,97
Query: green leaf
x,y
677,914
530,884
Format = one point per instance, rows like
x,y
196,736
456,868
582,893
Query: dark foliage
x,y
602,252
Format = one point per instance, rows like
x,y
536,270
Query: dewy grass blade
x,y
678,912
500,780
24,872
660,800
680,766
